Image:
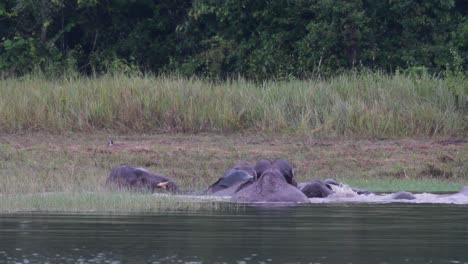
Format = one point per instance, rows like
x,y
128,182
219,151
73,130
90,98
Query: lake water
x,y
317,233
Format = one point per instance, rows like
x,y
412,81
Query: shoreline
x,y
137,203
79,163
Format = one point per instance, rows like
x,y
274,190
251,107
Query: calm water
x,y
389,233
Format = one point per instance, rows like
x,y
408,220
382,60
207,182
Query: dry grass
x,y
40,162
46,172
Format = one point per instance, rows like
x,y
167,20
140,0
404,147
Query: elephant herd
x,y
263,181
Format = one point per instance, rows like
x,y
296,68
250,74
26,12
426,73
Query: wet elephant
x,y
402,196
285,168
315,189
231,180
463,191
135,178
410,196
322,189
272,184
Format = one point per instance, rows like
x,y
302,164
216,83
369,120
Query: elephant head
x,y
315,189
231,180
135,178
285,168
271,185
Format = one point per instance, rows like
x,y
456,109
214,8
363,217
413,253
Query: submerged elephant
x,y
315,189
463,191
322,189
232,179
274,183
136,178
402,196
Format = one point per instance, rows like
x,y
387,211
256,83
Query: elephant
x,y
231,180
285,168
409,196
322,189
273,183
315,189
463,191
402,196
244,173
135,178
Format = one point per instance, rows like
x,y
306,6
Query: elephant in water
x,y
402,196
410,196
231,180
315,189
463,191
274,183
322,189
135,178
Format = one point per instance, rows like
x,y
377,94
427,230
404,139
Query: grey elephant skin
x,y
315,189
126,177
402,196
231,180
321,189
463,191
274,183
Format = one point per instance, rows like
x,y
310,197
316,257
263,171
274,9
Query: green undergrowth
x,y
363,105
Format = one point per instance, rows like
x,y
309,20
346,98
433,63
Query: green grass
x,y
107,202
412,185
365,105
127,202
308,122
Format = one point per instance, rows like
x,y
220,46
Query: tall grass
x,y
368,104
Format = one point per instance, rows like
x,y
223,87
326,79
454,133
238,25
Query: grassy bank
x,y
105,202
41,171
362,105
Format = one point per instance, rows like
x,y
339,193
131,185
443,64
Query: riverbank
x,y
74,164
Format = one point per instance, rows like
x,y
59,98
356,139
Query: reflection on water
x,y
332,233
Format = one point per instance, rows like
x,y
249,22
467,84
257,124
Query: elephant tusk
x,y
163,184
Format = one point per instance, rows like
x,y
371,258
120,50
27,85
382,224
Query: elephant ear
x,y
243,185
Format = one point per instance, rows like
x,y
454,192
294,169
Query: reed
x,y
363,105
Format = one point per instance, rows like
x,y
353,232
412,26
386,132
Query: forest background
x,y
256,39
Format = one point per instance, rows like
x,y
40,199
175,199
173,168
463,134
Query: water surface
x,y
320,233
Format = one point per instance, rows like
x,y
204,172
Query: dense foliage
x,y
253,38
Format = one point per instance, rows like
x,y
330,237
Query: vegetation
x,y
359,104
67,172
44,163
105,202
257,39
